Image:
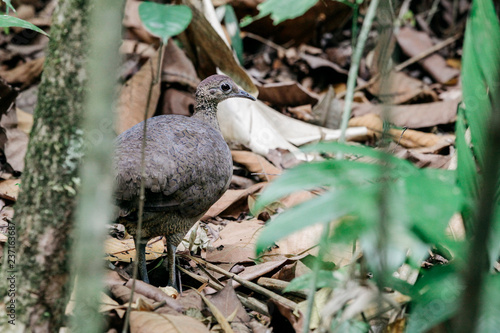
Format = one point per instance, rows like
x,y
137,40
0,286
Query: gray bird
x,y
188,166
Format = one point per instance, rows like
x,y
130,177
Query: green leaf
x,y
231,22
9,6
335,147
435,298
467,176
10,21
323,209
164,21
280,10
488,322
316,174
480,68
303,282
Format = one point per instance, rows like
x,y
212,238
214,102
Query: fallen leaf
x,y
223,206
146,322
134,94
24,74
413,116
9,189
414,42
124,250
286,94
256,164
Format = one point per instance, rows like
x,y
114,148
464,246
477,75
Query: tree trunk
x,y
43,218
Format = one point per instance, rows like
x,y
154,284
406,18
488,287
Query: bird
x,y
188,167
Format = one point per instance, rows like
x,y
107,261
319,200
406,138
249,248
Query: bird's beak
x,y
244,94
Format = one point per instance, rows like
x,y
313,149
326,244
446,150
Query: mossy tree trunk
x,y
43,217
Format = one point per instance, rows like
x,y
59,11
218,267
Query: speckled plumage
x,y
188,166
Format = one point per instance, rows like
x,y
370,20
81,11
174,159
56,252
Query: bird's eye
x,y
225,87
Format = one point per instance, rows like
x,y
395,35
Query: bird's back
x,y
188,166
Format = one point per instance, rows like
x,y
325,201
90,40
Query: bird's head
x,y
216,88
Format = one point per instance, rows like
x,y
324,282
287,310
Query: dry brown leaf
x,y
133,96
178,68
231,198
132,21
124,250
236,243
210,46
9,189
407,138
413,116
130,46
256,164
402,89
147,322
24,74
286,94
253,272
154,294
302,112
227,302
414,42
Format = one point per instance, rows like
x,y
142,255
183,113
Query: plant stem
x,y
353,71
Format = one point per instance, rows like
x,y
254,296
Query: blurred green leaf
x,y
323,209
233,29
8,4
280,10
10,21
312,175
467,176
303,282
435,298
164,21
480,67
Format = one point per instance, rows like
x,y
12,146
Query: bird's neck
x,y
207,112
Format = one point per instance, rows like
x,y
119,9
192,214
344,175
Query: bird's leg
x,y
171,248
140,246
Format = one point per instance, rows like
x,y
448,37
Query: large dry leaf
x,y
147,322
236,243
328,112
402,89
177,68
227,302
237,198
261,128
253,272
286,94
134,96
124,250
130,46
210,44
414,42
413,116
256,164
407,138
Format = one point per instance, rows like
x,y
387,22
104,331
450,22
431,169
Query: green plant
x,y
7,21
413,205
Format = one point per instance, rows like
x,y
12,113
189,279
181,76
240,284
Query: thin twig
x,y
249,302
427,52
247,284
353,71
142,189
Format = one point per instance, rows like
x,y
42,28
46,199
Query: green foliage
x,y
280,10
11,21
231,22
481,65
164,21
